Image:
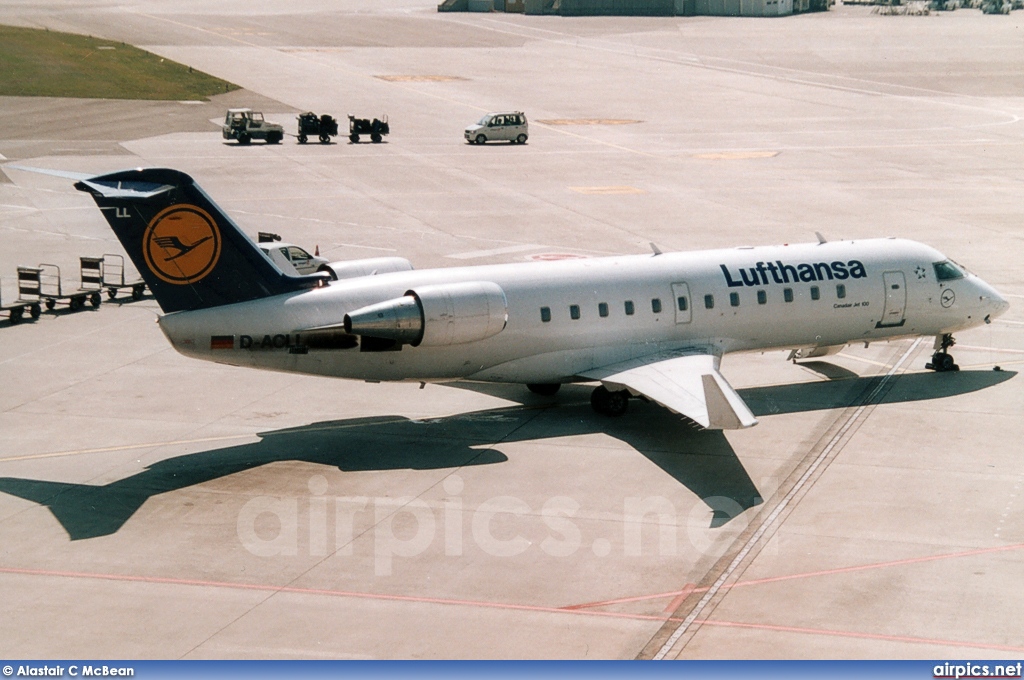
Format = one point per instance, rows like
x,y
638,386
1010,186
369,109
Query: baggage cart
x,y
311,125
376,128
113,277
28,296
51,289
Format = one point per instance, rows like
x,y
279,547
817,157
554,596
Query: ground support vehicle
x,y
245,125
311,125
376,128
51,289
288,256
113,277
28,296
510,126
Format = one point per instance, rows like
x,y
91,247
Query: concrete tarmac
x,y
152,506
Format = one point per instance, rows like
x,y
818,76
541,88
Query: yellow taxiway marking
x,y
604,191
588,121
735,155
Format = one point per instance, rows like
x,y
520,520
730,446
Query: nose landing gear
x,y
942,360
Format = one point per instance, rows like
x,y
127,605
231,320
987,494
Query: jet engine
x,y
435,315
351,269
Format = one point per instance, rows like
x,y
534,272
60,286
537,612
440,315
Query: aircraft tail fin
x,y
191,254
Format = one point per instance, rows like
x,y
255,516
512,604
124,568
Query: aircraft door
x,y
895,299
681,297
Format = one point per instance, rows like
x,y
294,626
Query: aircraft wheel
x,y
544,389
609,403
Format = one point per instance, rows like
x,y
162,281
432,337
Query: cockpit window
x,y
947,271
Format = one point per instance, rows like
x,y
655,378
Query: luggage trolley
x,y
52,291
28,296
113,278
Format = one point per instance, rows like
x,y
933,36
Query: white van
x,y
510,126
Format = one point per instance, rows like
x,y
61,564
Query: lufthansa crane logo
x,y
948,298
182,244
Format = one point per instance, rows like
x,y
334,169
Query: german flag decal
x,y
222,342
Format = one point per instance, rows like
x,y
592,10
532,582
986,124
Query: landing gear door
x,y
895,299
681,300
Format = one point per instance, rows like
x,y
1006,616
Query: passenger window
x,y
574,311
602,308
545,314
762,297
709,301
683,304
815,293
787,294
734,299
656,305
840,291
629,308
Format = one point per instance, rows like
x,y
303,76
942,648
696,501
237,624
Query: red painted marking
x,y
678,600
490,605
551,257
318,591
826,572
855,634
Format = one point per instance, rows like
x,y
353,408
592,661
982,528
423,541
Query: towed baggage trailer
x,y
376,128
28,296
113,277
311,125
51,288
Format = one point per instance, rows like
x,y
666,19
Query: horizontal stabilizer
x,y
687,384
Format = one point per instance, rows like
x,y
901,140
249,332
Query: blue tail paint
x,y
191,255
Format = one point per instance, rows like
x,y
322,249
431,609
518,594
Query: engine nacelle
x,y
352,269
435,315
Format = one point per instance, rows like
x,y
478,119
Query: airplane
x,y
654,326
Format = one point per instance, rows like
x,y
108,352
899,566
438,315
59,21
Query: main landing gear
x,y
942,360
609,403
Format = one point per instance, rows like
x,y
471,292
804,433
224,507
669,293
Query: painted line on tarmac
x,y
258,587
770,520
473,254
803,575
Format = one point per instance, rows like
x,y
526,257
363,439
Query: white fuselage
x,y
890,290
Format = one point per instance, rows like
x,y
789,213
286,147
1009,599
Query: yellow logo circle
x,y
181,244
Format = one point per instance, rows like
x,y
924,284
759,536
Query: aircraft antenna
x,y
656,249
821,239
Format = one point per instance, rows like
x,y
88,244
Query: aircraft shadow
x,y
702,461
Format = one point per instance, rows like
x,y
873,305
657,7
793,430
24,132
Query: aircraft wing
x,y
688,384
